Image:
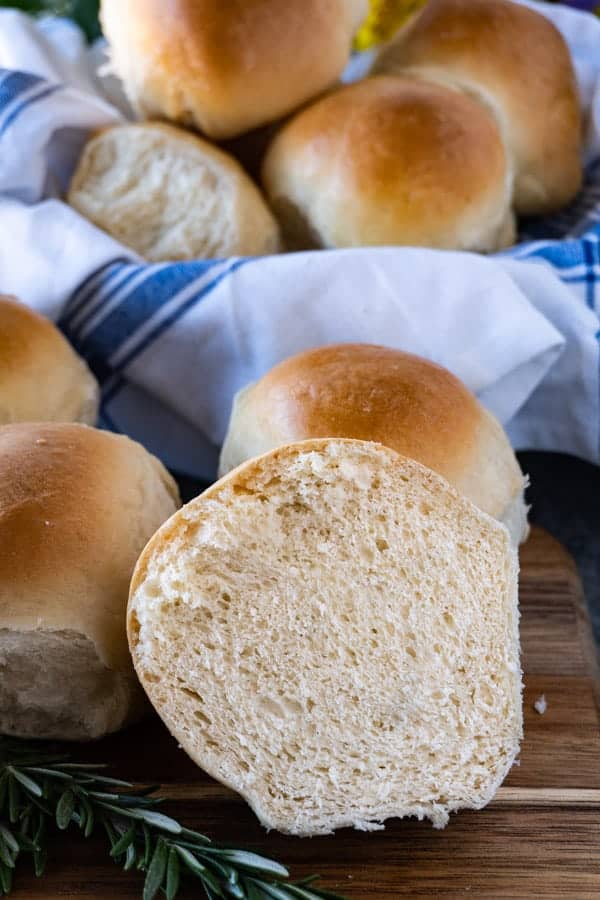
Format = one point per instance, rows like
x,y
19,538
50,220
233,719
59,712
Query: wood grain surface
x,y
539,838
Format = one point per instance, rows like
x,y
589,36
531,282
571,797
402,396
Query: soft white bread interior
x,y
391,161
228,67
77,506
380,394
516,62
332,631
171,195
41,376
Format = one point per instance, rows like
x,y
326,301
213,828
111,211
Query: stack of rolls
x,y
469,116
77,506
222,69
331,629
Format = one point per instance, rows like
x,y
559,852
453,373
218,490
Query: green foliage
x,y
40,790
84,12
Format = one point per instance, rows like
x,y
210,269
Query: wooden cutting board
x,y
539,838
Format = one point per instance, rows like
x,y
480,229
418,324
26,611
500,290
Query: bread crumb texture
x,y
39,698
170,195
332,631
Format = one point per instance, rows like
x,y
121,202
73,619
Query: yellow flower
x,y
385,17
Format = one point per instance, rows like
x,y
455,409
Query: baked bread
x,y
391,161
77,506
379,394
170,195
517,64
332,631
41,376
228,67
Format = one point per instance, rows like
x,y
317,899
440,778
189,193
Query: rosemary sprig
x,y
40,789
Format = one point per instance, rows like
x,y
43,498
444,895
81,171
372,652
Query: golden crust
x,y
76,508
41,376
228,67
517,62
392,161
373,393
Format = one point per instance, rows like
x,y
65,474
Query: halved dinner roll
x,y
332,631
380,394
392,161
170,195
77,506
42,379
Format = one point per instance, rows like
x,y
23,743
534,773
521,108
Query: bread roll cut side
x,y
332,631
171,195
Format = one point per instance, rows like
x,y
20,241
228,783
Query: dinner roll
x,y
392,161
41,376
379,394
332,631
77,506
170,195
228,67
516,62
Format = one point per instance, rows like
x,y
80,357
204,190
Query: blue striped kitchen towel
x,y
172,343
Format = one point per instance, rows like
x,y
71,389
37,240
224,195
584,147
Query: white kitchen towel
x,y
172,343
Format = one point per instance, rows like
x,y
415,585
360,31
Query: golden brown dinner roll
x,y
391,161
379,394
516,62
228,67
41,377
171,195
77,506
332,631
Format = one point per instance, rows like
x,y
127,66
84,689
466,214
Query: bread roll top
x,y
228,67
77,506
380,394
514,61
41,376
392,161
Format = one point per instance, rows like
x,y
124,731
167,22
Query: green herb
x,y
40,790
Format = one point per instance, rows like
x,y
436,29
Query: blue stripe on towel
x,y
89,288
575,261
177,313
12,84
135,321
13,112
